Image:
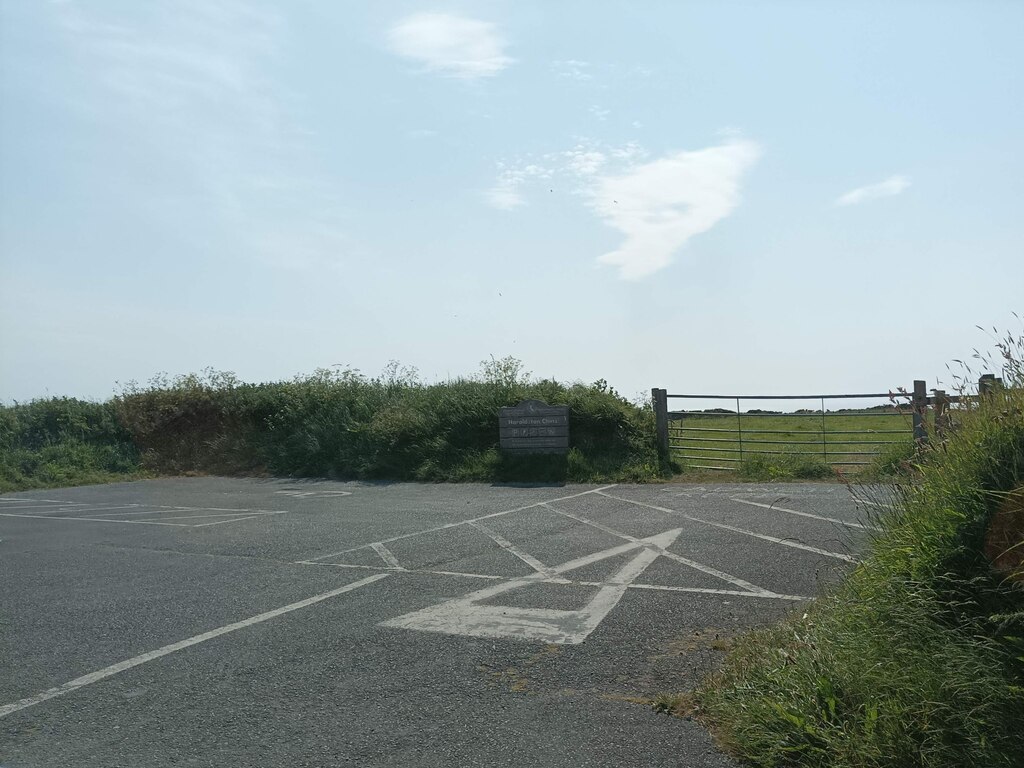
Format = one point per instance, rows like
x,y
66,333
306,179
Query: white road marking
x,y
307,494
8,499
113,669
239,515
723,526
466,616
673,556
493,577
806,514
233,518
141,512
404,570
703,591
386,555
448,526
94,520
507,545
229,520
873,504
45,507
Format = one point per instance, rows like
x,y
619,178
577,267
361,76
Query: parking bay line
x,y
113,669
723,526
807,514
764,593
728,577
448,526
98,520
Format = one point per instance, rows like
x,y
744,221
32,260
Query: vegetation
x,y
337,424
918,658
61,442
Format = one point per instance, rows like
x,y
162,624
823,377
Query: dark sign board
x,y
534,426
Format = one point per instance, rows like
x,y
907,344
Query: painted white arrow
x,y
466,616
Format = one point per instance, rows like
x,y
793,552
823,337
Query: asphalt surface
x,y
229,622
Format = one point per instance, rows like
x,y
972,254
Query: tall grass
x,y
918,658
343,424
63,441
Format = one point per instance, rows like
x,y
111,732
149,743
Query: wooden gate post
x,y
659,399
920,405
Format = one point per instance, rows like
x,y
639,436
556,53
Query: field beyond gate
x,y
846,438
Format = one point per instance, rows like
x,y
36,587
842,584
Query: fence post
x,y
659,399
920,405
940,411
987,383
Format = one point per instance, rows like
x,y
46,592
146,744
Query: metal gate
x,y
723,438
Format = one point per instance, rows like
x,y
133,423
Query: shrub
x,y
784,467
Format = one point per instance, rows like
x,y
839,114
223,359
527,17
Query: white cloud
x,y
600,112
454,46
506,193
894,185
657,205
660,205
572,69
584,161
192,87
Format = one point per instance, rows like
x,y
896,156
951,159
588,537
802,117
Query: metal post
x,y
940,413
659,399
824,443
920,406
987,383
739,428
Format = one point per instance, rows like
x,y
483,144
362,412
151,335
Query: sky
x,y
728,197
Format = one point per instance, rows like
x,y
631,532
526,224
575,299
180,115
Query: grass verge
x,y
918,658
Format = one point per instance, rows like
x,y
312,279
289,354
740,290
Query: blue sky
x,y
706,196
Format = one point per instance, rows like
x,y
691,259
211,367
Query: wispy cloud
x,y
506,194
601,113
894,185
193,87
454,46
658,205
572,69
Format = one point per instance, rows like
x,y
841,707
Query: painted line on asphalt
x,y
114,669
470,615
702,591
386,555
512,549
8,499
95,520
45,507
234,515
449,526
734,529
728,577
873,503
229,520
807,514
413,571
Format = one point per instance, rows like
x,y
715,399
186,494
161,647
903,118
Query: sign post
x,y
533,426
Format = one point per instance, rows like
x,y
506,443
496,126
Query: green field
x,y
849,440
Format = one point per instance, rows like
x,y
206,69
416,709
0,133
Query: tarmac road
x,y
241,622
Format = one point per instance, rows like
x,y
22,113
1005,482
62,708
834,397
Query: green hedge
x,y
329,424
